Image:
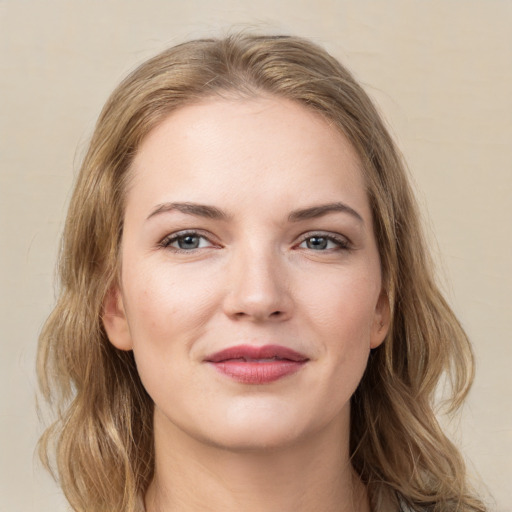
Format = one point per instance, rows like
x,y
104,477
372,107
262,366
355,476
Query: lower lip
x,y
258,372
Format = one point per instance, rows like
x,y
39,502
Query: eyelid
x,y
344,243
167,240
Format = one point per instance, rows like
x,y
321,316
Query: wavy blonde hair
x,y
102,438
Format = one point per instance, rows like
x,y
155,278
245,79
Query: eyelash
x,y
341,242
167,242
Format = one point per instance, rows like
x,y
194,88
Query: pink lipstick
x,y
249,364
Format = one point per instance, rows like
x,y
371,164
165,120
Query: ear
x,y
382,320
114,320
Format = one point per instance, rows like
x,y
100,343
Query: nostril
x,y
274,314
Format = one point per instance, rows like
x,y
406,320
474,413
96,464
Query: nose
x,y
258,288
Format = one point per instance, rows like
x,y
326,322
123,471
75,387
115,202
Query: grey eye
x,y
317,243
322,242
183,241
188,242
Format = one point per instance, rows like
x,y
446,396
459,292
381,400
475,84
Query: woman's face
x,y
250,287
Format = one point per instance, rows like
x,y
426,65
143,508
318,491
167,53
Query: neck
x,y
310,474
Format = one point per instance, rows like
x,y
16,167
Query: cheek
x,y
167,311
341,315
164,303
343,305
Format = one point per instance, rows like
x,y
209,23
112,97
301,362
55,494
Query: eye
x,y
186,241
324,242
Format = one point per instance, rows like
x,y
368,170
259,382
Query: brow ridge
x,y
314,212
199,210
212,212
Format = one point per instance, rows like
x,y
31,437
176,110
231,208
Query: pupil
x,y
188,242
317,243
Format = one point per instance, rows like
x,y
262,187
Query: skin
x,y
257,277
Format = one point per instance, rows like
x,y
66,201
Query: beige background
x,y
440,71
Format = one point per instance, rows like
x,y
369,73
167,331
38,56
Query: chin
x,y
259,427
251,439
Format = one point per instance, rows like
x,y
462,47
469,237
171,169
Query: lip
x,y
249,364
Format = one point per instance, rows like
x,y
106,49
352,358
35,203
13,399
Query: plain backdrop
x,y
440,71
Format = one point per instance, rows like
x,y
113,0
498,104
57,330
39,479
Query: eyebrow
x,y
211,212
318,211
199,210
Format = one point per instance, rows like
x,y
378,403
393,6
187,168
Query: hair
x,y
102,440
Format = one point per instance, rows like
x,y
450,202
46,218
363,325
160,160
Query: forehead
x,y
247,149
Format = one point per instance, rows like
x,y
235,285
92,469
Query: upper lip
x,y
252,353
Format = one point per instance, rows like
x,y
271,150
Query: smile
x,y
248,364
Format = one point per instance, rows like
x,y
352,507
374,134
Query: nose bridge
x,y
258,287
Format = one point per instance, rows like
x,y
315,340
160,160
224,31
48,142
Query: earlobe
x,y
114,320
382,320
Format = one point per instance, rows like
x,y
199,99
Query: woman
x,y
248,318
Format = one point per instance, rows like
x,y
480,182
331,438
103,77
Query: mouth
x,y
248,364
